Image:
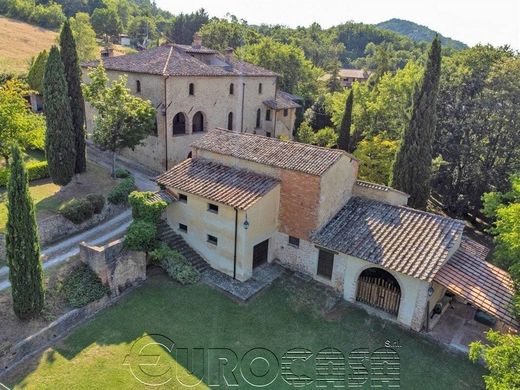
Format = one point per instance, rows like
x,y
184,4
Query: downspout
x,y
242,114
165,124
274,127
235,252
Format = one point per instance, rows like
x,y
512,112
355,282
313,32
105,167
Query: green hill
x,y
418,33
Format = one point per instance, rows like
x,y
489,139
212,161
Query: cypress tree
x,y
346,122
22,244
413,162
69,57
59,139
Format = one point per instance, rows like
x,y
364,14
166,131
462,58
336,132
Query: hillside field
x,y
19,42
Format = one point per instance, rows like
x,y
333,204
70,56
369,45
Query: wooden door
x,y
260,253
379,293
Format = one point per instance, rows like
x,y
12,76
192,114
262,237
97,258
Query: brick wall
x,y
299,203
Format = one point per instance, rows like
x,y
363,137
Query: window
x,y
268,134
325,263
137,86
258,118
212,208
230,121
155,129
294,241
260,88
212,239
183,198
183,228
231,89
285,112
192,89
267,115
179,124
198,122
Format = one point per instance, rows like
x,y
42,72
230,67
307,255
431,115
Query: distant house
x,y
124,40
347,77
244,200
195,89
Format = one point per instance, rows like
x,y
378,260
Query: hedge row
x,y
80,210
36,170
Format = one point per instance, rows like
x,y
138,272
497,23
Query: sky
x,y
471,21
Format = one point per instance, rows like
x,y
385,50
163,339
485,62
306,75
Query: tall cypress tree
x,y
413,162
69,58
22,245
346,123
60,138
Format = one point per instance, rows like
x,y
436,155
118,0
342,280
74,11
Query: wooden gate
x,y
379,293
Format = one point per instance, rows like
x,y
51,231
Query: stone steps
x,y
175,241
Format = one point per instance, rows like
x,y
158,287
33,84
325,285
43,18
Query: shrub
x,y
97,201
77,210
83,286
141,236
119,194
175,264
144,208
122,173
35,170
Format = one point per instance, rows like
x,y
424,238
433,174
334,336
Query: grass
x,y
96,355
48,197
19,42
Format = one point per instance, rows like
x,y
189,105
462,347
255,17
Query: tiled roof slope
x,y
176,60
402,239
484,285
296,156
281,102
235,187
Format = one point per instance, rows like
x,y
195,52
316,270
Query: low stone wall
x,y
58,227
116,267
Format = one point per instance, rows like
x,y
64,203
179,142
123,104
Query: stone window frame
x,y
268,115
285,112
294,241
191,89
232,89
213,208
260,88
138,86
183,198
210,239
183,227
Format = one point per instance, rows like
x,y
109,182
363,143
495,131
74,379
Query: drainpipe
x,y
165,124
235,252
274,127
242,114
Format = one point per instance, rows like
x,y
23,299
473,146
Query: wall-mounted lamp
x,y
430,291
246,223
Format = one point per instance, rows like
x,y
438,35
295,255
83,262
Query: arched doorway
x,y
380,289
179,123
198,122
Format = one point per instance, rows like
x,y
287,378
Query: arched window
x,y
258,115
179,124
198,122
192,89
138,86
231,89
230,121
260,88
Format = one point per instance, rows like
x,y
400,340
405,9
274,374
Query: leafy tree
x,y
219,34
36,71
85,37
123,120
298,75
413,164
184,26
305,133
326,137
22,245
106,21
19,126
375,155
69,58
318,115
60,138
141,28
346,122
502,358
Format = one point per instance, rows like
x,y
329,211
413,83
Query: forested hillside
x,y
418,32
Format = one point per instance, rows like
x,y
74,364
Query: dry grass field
x,y
19,42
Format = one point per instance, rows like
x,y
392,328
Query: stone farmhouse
x,y
195,89
347,77
245,200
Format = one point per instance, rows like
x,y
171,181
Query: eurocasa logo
x,y
155,360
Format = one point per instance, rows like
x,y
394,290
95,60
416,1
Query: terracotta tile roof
x,y
295,156
354,73
402,239
234,187
474,248
164,195
486,286
177,60
281,102
290,96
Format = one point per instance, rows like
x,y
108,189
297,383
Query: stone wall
x,y
116,267
57,227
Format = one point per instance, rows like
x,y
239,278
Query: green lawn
x,y
93,356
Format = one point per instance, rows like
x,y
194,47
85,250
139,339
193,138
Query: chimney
x,y
229,55
197,41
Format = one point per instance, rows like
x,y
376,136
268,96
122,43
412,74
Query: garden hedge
x,y
35,170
